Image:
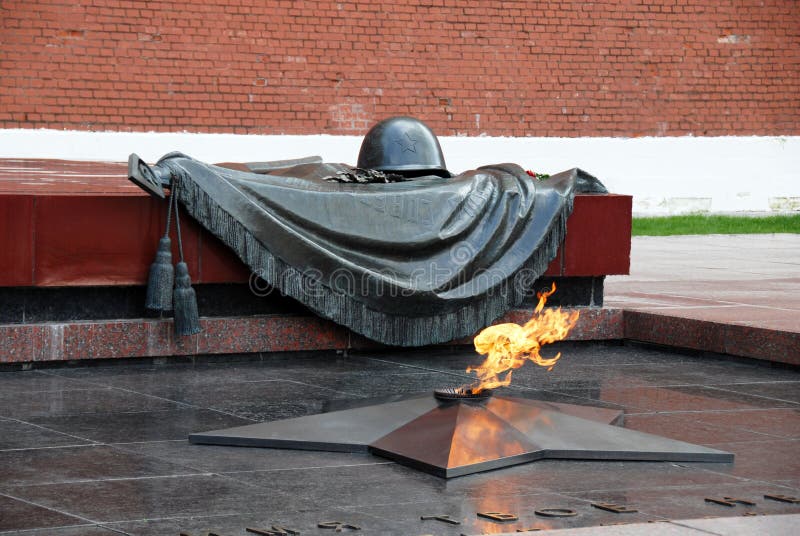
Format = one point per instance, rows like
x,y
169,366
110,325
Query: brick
x,y
522,60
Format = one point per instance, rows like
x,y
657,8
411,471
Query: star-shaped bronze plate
x,y
456,438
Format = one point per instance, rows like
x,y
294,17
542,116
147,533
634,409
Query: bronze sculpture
x,y
403,252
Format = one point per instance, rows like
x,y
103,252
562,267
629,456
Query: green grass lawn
x,y
697,224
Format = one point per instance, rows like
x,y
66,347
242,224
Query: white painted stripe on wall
x,y
664,175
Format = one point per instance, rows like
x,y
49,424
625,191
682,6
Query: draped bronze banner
x,y
405,263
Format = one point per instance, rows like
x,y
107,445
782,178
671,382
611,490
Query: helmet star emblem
x,y
407,143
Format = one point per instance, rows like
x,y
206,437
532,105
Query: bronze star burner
x,y
461,393
457,431
451,434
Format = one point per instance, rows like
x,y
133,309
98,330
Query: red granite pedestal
x,y
66,224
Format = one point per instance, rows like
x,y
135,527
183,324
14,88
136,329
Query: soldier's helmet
x,y
402,145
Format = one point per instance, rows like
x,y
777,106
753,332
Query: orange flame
x,y
509,346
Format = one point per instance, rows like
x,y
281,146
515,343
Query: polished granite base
x,y
27,345
100,449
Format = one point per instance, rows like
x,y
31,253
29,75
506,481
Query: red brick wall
x,y
538,68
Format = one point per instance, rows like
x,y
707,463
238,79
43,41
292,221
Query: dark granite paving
x,y
101,450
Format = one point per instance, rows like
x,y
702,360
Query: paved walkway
x,y
751,280
735,280
781,525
